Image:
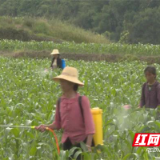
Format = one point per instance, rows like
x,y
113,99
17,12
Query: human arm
x,y
52,62
89,141
88,121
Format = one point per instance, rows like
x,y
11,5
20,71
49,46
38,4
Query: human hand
x,y
127,107
89,148
41,128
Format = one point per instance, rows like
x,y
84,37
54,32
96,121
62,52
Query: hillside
x,y
41,29
129,21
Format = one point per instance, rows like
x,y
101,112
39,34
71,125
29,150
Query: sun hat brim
x,y
55,53
68,78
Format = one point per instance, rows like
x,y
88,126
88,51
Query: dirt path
x,y
85,57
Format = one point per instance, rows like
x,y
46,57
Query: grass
x,y
28,97
27,28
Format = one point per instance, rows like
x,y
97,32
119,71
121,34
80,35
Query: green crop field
x,y
28,97
83,48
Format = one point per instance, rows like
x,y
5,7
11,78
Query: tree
x,y
146,27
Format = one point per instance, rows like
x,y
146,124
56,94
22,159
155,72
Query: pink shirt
x,y
70,119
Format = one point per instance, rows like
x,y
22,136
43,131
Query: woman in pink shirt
x,y
75,119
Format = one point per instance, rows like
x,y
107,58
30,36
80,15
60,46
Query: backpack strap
x,y
58,103
80,104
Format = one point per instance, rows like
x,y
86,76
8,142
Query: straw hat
x,y
55,51
69,74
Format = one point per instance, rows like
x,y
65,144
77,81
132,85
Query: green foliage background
x,y
140,18
28,97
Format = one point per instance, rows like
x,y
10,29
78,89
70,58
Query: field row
x,y
83,48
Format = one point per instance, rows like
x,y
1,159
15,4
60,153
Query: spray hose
x,y
55,137
33,127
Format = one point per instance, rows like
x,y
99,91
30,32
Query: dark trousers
x,y
67,145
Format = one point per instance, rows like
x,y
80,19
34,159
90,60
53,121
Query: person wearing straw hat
x,y
76,122
150,94
56,60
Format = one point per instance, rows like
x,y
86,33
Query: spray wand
x,y
33,127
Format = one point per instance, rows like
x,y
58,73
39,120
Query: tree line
x,y
127,21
